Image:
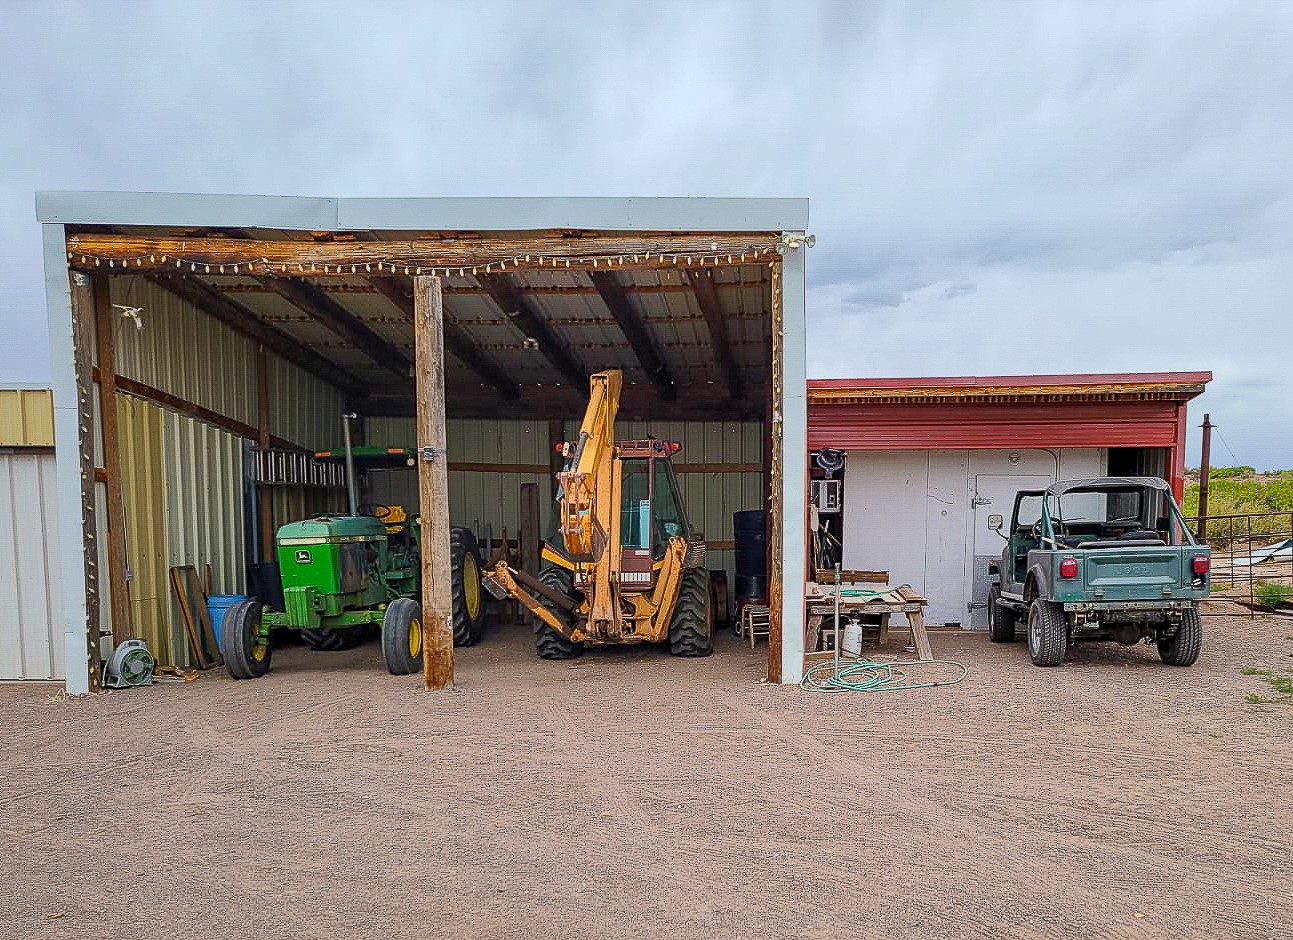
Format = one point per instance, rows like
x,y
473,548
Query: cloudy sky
x,y
996,188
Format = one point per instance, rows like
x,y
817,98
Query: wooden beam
x,y
129,253
543,403
702,282
636,332
433,486
314,301
530,321
83,359
531,538
245,321
456,340
105,339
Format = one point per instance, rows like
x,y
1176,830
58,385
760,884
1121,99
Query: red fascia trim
x,y
1016,381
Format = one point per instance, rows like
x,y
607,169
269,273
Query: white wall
x,y
921,515
31,615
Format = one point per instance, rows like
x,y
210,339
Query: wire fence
x,y
1252,561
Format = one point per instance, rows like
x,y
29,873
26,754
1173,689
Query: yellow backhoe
x,y
622,566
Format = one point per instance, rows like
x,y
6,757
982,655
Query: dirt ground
x,y
630,794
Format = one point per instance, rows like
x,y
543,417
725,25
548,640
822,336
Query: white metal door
x,y
994,494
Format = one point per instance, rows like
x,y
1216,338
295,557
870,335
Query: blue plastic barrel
x,y
217,604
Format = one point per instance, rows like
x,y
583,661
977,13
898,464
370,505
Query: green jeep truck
x,y
1108,558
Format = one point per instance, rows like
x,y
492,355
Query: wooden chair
x,y
754,622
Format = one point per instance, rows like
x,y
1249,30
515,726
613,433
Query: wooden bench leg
x,y
814,633
918,635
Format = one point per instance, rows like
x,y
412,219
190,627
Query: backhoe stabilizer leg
x,y
503,578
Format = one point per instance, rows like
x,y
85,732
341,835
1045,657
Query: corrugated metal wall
x,y
31,640
143,476
205,524
936,426
180,350
479,499
303,409
26,417
182,488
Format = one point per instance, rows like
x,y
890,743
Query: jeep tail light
x,y
1202,564
1068,568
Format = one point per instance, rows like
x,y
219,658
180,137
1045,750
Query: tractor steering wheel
x,y
381,511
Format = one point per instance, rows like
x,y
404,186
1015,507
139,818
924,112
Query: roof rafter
x,y
532,323
636,331
399,291
242,320
702,282
316,302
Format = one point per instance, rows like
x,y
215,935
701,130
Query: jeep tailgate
x,y
1136,574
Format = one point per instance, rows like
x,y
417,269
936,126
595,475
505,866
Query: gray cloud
x,y
1107,182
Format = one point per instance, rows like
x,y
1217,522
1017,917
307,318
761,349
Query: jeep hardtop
x,y
1108,558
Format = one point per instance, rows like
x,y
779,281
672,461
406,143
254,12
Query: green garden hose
x,y
864,675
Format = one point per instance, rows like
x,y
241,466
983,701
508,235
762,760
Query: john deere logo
x,y
303,557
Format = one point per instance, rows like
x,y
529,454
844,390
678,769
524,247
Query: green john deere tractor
x,y
344,574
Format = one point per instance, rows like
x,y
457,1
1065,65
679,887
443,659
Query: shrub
x,y
1272,594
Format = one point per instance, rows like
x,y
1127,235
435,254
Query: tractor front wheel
x,y
468,594
402,636
691,629
246,651
548,642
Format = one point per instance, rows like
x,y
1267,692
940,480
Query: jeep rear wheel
x,y
1001,619
1048,633
1184,646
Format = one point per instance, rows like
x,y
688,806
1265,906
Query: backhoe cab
x,y
623,565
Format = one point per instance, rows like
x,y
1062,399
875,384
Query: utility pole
x,y
1205,472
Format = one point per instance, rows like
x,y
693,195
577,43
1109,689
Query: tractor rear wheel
x,y
246,654
691,629
330,641
402,636
1001,619
468,594
1048,633
548,642
1183,648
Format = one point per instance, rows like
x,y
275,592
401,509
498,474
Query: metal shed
x,y
186,330
929,459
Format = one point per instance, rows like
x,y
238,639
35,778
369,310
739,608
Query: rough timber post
x,y
433,484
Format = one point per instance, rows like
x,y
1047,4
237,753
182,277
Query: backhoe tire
x,y
691,629
1001,619
1048,633
402,636
548,643
325,640
468,592
246,655
1183,648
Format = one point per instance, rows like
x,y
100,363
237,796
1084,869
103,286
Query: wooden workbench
x,y
822,605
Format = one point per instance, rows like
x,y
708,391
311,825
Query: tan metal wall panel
x,y
143,493
180,350
303,409
26,417
205,521
31,628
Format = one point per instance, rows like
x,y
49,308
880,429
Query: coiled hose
x,y
864,675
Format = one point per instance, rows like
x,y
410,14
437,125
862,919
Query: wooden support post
x,y
1205,475
264,502
433,484
105,339
83,345
530,527
777,508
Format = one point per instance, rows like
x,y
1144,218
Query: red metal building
x,y
931,461
1126,410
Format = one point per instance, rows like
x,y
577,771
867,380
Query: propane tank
x,y
851,641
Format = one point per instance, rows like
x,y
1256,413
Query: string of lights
x,y
397,266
